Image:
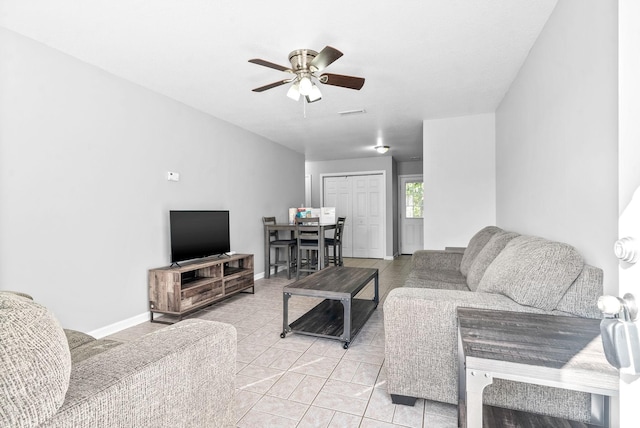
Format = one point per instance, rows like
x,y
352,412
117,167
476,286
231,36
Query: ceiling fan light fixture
x,y
315,94
382,149
294,92
305,85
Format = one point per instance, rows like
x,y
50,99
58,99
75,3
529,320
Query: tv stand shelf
x,y
180,290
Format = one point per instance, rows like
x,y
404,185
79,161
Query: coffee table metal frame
x,y
339,316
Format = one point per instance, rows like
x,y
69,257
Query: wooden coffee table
x,y
339,316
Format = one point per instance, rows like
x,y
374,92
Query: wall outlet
x,y
173,176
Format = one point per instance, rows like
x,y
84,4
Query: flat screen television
x,y
196,234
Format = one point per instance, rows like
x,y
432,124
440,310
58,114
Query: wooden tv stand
x,y
180,290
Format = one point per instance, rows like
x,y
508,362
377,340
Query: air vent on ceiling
x,y
350,112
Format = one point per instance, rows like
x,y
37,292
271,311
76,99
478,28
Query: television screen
x,y
196,234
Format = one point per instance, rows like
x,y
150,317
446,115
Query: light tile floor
x,y
303,381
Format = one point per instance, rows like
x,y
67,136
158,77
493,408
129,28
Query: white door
x,y
411,203
629,175
360,198
368,213
629,232
337,193
360,222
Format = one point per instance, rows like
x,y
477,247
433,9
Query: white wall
x,y
629,101
556,132
83,191
378,163
459,179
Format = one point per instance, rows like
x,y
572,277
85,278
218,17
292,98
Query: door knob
x,y
626,249
620,334
624,308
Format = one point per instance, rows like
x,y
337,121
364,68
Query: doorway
x,y
411,215
361,199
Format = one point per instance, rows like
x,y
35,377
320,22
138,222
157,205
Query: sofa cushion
x,y
533,271
83,346
433,278
581,298
436,285
92,348
451,276
486,256
77,338
477,242
35,364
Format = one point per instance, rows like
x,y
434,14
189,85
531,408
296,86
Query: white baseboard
x,y
120,325
135,320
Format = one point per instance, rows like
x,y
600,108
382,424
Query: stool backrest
x,y
273,234
311,231
339,228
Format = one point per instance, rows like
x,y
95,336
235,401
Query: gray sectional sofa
x,y
498,270
182,375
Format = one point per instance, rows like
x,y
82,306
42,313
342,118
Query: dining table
x,y
292,228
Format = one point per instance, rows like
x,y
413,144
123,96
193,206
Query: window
x,y
414,200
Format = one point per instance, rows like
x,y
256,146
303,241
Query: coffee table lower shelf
x,y
327,320
498,417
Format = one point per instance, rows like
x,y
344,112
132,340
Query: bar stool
x,y
289,245
308,242
336,243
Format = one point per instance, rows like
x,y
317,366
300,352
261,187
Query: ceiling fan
x,y
305,66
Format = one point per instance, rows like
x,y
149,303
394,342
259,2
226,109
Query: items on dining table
x,y
326,215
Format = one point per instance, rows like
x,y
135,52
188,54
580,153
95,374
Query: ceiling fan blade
x,y
271,85
326,56
349,82
270,64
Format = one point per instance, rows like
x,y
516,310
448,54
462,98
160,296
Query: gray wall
x,y
556,132
459,179
378,163
410,167
83,191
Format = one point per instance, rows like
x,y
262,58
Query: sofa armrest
x,y
436,260
421,340
184,372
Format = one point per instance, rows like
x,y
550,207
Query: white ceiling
x,y
422,59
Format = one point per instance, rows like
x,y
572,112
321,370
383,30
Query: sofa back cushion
x,y
533,271
581,298
477,242
486,256
35,364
